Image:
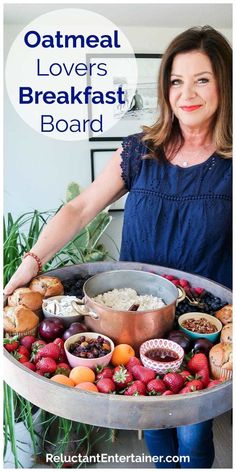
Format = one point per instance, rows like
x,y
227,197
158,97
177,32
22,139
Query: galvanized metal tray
x,y
116,411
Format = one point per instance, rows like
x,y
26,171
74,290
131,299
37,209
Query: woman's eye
x,y
203,80
175,82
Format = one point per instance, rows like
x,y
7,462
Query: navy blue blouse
x,y
178,217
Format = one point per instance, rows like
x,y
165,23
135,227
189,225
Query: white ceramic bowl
x,y
75,361
165,345
67,318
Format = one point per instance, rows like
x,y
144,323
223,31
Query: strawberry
x,y
40,372
143,373
192,386
60,343
168,392
186,375
175,281
27,341
21,358
122,377
24,351
169,277
50,350
183,283
213,383
204,376
106,385
136,388
11,344
133,361
35,348
198,290
173,381
29,365
198,362
46,365
104,373
156,387
63,368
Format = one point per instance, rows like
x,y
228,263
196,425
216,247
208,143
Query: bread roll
x,y
225,314
221,361
26,297
47,286
19,320
227,333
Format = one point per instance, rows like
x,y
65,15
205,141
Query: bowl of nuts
x,y
200,325
88,349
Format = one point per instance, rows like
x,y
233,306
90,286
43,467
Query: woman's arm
x,y
75,215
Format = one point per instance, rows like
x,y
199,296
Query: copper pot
x,y
131,327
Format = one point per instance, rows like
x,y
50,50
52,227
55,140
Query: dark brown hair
x,y
166,133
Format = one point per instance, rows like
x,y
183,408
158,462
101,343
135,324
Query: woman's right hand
x,y
25,272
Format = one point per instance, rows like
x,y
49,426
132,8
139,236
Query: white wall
x,y
37,168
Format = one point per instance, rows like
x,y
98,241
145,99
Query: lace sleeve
x,y
131,156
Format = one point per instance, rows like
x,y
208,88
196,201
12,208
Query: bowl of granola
x,y
200,325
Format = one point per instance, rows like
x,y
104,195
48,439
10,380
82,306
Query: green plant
x,y
19,236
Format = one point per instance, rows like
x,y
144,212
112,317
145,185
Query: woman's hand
x,y
25,272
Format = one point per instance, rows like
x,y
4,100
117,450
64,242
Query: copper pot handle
x,y
182,295
83,311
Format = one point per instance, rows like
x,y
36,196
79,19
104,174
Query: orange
x,y
82,374
63,379
122,354
87,386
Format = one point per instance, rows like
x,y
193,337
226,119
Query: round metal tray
x,y
116,411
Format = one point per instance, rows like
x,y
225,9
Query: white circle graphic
x,y
71,74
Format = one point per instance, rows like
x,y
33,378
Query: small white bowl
x,y
75,361
165,344
66,318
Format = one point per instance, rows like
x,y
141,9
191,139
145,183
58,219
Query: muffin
x,y
26,297
19,320
225,314
47,286
227,333
221,361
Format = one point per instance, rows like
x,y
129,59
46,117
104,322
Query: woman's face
x,y
193,93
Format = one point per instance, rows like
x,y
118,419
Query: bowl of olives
x,y
88,349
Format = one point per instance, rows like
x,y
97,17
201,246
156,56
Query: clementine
x,y
87,386
63,379
122,354
82,374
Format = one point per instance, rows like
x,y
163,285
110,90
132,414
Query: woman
x,y
178,212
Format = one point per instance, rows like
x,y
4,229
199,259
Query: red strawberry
x,y
106,385
104,373
175,281
122,377
156,387
169,277
27,341
186,375
198,362
50,350
192,386
143,373
136,388
11,344
173,381
46,365
168,392
35,348
22,359
29,365
63,368
198,290
60,343
213,383
40,372
133,361
204,376
24,351
183,283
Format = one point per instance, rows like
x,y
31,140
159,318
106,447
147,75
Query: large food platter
x,y
116,411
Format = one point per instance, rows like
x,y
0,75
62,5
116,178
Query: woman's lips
x,y
191,108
